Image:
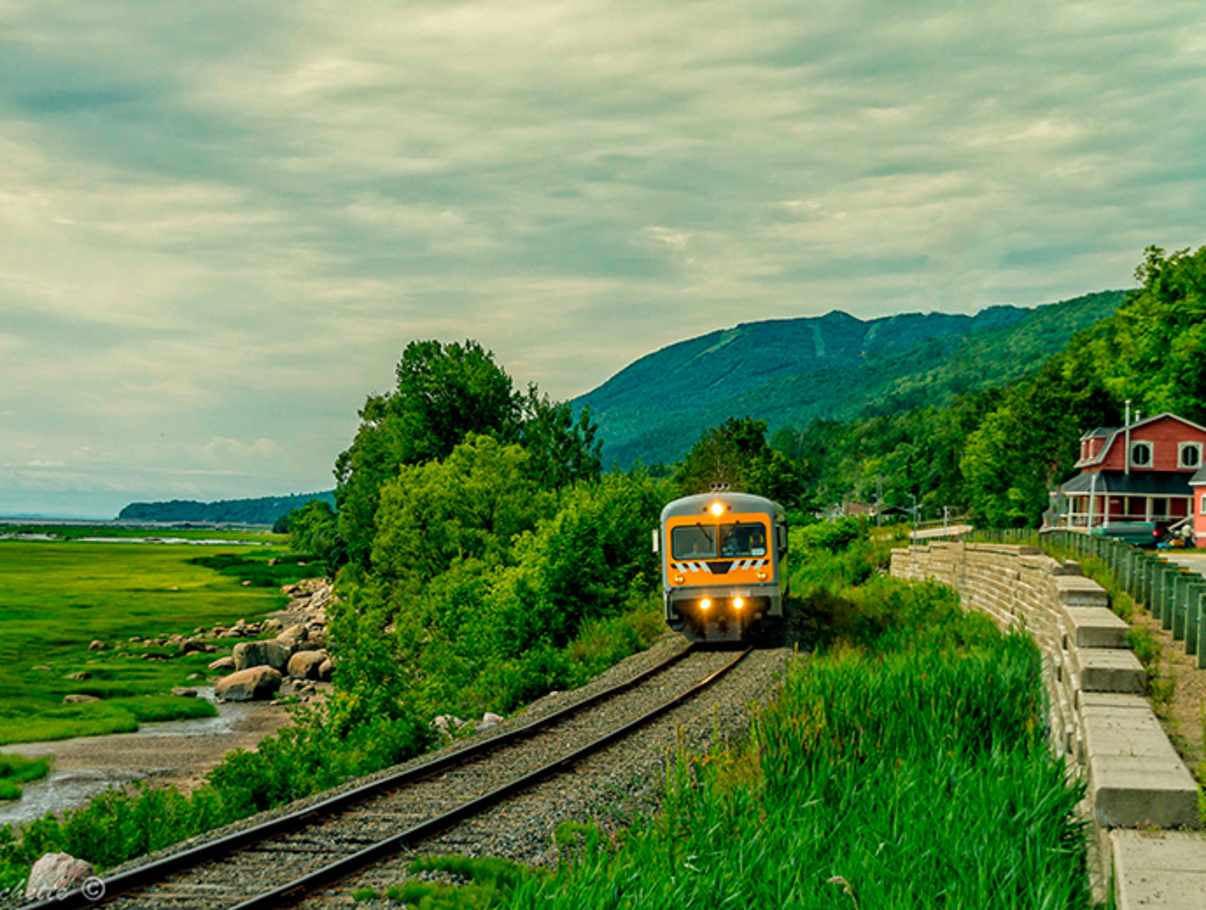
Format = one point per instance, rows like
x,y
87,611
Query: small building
x,y
1139,472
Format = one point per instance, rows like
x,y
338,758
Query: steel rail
x,y
290,893
152,872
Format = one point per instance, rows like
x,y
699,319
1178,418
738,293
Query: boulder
x,y
41,668
191,645
293,636
184,692
269,653
316,635
222,665
246,582
196,676
446,724
306,664
326,669
54,873
489,719
79,675
96,645
251,684
79,698
271,625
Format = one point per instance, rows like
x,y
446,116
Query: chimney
x,y
1127,450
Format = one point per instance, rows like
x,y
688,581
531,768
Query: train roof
x,y
740,502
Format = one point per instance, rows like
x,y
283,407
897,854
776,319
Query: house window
x,y
1189,455
1141,454
1203,507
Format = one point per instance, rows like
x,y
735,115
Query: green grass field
x,y
75,532
56,597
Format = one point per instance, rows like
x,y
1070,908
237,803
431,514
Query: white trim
x,y
1151,449
1181,447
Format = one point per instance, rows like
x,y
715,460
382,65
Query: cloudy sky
x,y
221,222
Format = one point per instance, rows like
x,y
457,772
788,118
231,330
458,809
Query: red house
x,y
1198,483
1139,472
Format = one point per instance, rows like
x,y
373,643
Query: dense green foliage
x,y
445,392
791,371
314,531
265,510
996,452
736,454
488,591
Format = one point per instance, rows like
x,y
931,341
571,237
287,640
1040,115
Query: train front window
x,y
743,540
694,542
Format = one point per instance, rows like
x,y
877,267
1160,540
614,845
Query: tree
x,y
445,392
314,531
468,506
736,453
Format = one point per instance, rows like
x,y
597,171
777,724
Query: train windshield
x,y
702,541
694,542
743,540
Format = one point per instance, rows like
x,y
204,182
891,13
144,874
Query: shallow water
x,y
64,789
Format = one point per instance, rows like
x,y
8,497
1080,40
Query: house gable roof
x,y
1120,431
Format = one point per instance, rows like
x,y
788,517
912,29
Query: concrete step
x,y
1165,869
1136,777
1095,627
1108,670
1078,591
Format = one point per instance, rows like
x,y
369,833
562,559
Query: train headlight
x,y
761,575
678,579
738,603
717,509
705,603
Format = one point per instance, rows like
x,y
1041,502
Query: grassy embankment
x,y
56,597
903,765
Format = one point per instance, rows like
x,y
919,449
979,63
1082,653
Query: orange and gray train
x,y
724,566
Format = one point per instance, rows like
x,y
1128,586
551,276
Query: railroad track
x,y
279,862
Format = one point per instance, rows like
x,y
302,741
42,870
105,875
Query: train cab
x,y
724,558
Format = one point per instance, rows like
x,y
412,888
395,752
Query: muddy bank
x,y
175,752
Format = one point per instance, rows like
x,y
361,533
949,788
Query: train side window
x,y
781,538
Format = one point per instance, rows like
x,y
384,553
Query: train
x,y
724,565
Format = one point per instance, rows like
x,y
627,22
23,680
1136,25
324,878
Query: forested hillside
x,y
996,451
264,510
789,371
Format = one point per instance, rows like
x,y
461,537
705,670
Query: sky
x,y
220,223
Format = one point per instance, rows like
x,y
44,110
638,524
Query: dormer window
x,y
1141,454
1189,455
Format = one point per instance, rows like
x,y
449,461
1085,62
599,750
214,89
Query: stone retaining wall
x,y
1141,797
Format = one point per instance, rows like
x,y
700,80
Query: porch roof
x,y
1137,483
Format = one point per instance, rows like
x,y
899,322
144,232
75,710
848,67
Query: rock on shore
x,y
248,685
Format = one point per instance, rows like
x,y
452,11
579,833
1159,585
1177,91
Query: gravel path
x,y
608,788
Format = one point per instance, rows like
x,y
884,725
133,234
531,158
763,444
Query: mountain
x,y
789,371
262,511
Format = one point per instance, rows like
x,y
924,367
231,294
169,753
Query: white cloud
x,y
221,229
